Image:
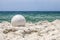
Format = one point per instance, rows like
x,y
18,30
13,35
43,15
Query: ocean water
x,y
31,16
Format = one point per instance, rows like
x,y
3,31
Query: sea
x,y
31,16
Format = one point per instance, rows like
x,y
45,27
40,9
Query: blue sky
x,y
29,5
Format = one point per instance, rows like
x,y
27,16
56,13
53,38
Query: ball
x,y
18,20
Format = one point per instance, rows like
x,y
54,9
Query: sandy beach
x,y
43,30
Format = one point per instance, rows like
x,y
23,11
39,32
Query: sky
x,y
29,5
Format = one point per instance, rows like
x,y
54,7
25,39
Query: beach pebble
x,y
18,20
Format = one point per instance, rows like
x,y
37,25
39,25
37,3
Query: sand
x,y
43,30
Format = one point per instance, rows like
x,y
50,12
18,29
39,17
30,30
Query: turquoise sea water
x,y
31,16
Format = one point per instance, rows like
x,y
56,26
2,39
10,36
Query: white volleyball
x,y
18,20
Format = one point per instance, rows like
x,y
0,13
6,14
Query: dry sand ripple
x,y
32,31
